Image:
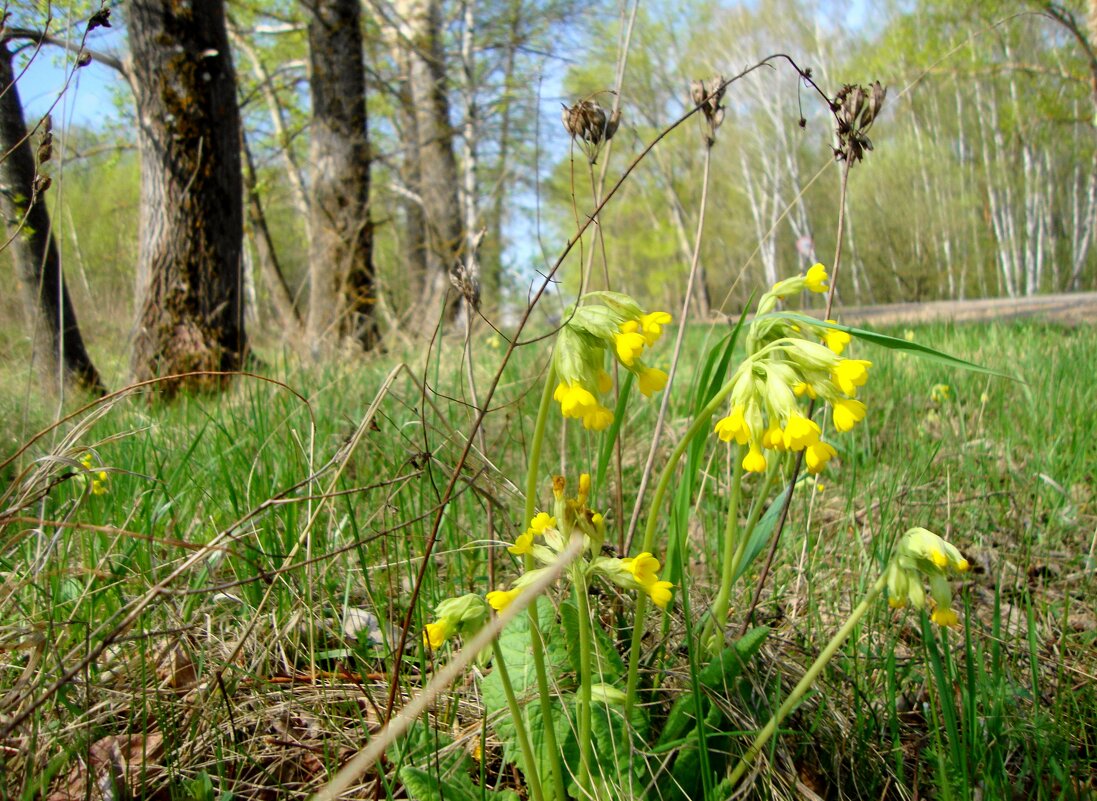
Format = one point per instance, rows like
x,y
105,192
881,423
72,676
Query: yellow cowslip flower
x,y
922,553
944,617
86,461
501,599
644,568
522,545
834,339
734,426
816,279
816,456
629,343
575,400
774,438
651,325
659,592
800,432
605,382
438,632
849,374
541,521
598,419
754,461
847,413
908,335
804,388
820,486
651,380
940,393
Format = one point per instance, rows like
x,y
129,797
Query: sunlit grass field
x,y
216,619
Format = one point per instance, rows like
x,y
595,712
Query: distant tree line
x,y
358,169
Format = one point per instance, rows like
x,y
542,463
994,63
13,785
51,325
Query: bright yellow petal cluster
x,y
785,366
922,554
607,321
816,279
501,599
834,339
645,571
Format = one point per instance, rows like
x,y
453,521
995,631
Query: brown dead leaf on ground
x,y
116,766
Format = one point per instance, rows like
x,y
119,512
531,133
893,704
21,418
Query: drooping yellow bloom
x,y
598,419
605,382
800,432
575,399
754,461
816,279
817,455
804,388
847,413
629,343
541,521
651,380
644,568
836,340
774,438
849,374
651,325
940,393
659,592
437,633
501,599
734,426
944,617
522,545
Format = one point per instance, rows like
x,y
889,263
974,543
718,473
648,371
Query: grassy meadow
x,y
210,610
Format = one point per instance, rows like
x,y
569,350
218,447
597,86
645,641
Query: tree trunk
x,y
437,164
280,295
57,346
189,276
342,291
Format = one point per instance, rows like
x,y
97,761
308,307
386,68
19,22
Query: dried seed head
x,y
855,109
708,95
588,123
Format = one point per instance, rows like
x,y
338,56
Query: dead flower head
x,y
708,95
588,123
856,108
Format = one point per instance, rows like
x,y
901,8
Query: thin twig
x,y
678,340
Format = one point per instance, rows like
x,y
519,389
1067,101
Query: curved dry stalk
x,y
678,340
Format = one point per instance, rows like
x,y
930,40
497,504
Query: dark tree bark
x,y
342,292
190,273
57,346
437,164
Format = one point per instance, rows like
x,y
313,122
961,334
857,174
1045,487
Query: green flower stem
x,y
582,601
752,521
532,778
719,615
809,678
537,648
699,423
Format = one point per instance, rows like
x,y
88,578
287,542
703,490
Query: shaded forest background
x,y
983,181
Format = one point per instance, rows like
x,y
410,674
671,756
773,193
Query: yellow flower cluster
x,y
783,366
922,553
98,477
547,536
463,615
609,321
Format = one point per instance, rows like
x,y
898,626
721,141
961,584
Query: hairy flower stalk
x,y
919,553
